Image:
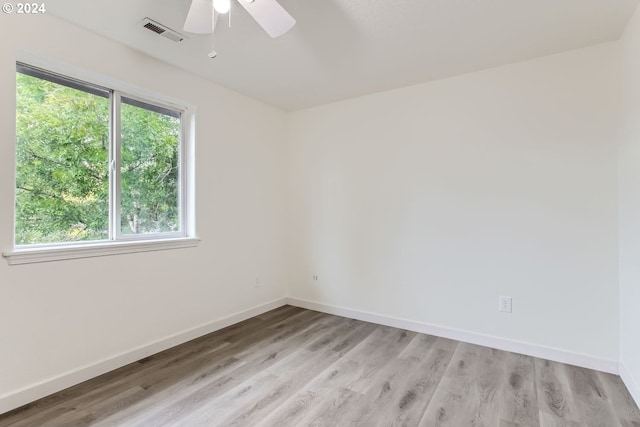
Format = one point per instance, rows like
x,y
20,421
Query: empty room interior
x,y
335,212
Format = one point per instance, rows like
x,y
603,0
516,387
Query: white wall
x,y
426,203
629,199
56,318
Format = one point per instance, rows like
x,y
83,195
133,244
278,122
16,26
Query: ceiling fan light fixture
x,y
222,6
272,17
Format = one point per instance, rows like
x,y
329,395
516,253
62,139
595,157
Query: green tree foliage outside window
x,y
62,166
149,171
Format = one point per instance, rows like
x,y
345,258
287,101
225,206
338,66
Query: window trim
x,y
76,250
122,244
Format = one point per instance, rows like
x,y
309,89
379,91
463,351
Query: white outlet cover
x,y
505,304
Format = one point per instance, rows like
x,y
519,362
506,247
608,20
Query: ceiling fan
x,y
267,13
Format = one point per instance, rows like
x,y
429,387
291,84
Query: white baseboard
x,y
632,385
543,352
34,392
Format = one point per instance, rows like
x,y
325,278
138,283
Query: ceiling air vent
x,y
160,29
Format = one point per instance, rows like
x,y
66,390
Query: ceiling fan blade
x,y
200,17
270,16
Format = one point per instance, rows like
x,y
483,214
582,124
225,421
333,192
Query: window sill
x,y
90,250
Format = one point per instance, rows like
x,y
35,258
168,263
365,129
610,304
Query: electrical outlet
x,y
505,304
315,277
257,281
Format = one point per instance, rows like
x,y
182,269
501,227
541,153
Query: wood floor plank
x,y
338,408
224,405
419,346
232,368
555,398
282,385
296,367
591,397
164,378
285,309
451,406
520,399
315,357
548,419
374,353
403,395
366,359
620,399
309,400
48,407
488,386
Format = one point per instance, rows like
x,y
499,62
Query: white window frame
x,y
119,243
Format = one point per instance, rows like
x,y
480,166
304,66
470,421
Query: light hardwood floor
x,y
296,367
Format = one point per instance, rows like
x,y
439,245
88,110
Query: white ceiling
x,y
345,48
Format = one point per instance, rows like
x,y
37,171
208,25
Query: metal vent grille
x,y
154,28
162,30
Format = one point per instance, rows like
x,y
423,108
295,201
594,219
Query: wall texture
x,y
57,318
427,203
629,199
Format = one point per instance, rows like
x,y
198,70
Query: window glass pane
x,y
149,169
62,150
